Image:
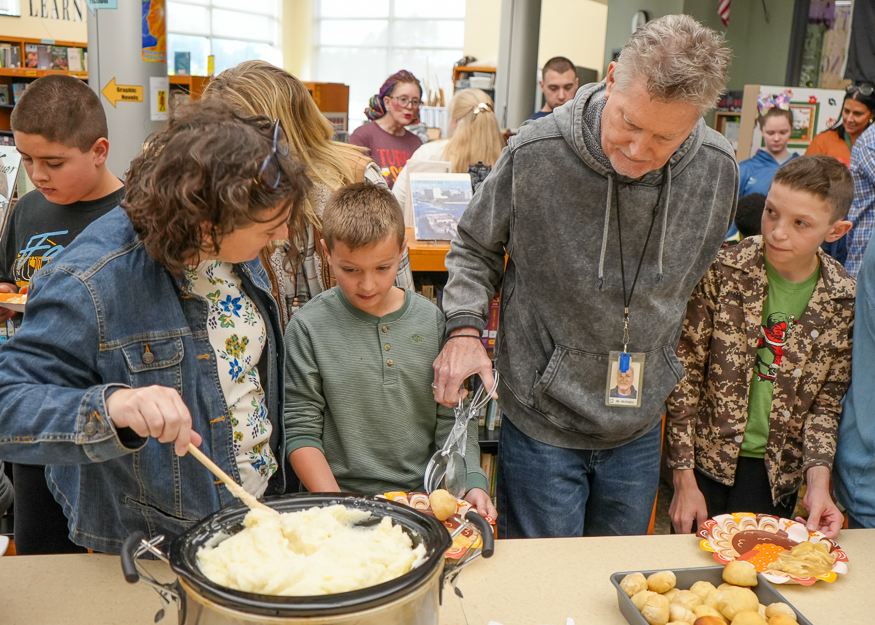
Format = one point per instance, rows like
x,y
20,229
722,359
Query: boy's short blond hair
x,y
362,214
822,176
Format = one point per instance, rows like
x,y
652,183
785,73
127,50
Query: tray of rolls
x,y
714,595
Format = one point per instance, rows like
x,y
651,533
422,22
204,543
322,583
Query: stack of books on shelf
x,y
41,56
10,55
489,464
491,329
433,293
18,91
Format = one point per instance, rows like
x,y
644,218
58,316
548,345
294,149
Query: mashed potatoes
x,y
312,552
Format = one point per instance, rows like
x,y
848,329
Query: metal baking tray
x,y
686,578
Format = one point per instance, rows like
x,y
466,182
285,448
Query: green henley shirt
x,y
358,388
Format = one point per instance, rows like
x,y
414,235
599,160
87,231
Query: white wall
x,y
572,28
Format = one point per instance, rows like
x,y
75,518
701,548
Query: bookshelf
x,y
332,99
426,255
22,74
467,73
192,85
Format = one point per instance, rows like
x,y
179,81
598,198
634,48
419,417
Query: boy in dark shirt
x,y
60,130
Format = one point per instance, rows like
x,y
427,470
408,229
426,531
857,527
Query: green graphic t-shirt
x,y
782,310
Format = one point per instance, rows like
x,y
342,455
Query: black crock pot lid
x,y
183,552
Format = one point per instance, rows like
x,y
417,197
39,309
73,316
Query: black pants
x,y
40,524
749,493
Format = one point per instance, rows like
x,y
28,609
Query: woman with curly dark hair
x,y
157,326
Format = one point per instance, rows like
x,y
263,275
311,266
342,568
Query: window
x,y
224,29
362,43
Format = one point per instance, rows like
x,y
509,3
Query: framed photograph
x,y
804,123
438,203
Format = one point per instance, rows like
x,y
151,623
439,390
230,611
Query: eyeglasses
x,y
404,101
865,89
271,171
448,466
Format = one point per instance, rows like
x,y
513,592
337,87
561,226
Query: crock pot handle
x,y
485,530
129,560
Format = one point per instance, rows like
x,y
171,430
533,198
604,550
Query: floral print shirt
x,y
238,334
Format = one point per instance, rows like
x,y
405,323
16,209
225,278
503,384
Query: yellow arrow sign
x,y
124,93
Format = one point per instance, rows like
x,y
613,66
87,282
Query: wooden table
x,y
532,582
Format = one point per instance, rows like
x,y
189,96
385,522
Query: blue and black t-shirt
x,y
38,230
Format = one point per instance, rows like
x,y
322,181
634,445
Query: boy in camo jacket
x,y
766,346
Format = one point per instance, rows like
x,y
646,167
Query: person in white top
x,y
474,138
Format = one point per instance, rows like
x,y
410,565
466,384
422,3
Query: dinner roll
x,y
671,593
736,599
688,599
702,589
662,581
633,583
709,620
639,598
443,504
740,573
780,608
748,617
680,613
781,619
707,610
656,610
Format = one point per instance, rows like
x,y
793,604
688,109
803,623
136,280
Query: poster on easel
x,y
814,111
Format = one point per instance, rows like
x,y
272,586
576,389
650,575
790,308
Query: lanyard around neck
x,y
627,300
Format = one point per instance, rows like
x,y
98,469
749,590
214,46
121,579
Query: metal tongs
x,y
447,466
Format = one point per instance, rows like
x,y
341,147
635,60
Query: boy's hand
x,y
688,503
5,313
823,515
460,359
479,498
156,411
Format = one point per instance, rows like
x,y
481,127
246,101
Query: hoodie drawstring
x,y
666,182
666,179
601,281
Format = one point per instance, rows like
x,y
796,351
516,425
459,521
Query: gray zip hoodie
x,y
549,205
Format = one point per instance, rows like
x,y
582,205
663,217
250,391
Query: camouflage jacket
x,y
707,411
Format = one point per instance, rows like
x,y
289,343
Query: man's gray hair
x,y
679,59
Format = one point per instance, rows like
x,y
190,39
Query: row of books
x,y
13,95
490,415
10,55
39,56
489,464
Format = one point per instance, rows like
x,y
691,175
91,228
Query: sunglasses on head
x,y
271,171
864,89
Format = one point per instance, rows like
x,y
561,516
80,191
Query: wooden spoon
x,y
236,490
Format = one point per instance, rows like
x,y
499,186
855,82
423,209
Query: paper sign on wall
x,y
96,5
159,92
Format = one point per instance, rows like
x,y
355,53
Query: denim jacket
x,y
105,315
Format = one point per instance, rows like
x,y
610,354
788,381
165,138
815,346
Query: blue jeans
x,y
551,492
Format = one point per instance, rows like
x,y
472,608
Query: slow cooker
x,y
413,598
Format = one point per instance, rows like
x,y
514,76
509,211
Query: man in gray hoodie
x,y
609,212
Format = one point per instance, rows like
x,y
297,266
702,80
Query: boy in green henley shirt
x,y
766,346
359,410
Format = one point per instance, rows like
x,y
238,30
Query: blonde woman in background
x,y
474,138
297,267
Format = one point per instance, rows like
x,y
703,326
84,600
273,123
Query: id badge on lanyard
x,y
625,383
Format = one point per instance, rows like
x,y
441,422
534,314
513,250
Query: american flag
x,y
723,11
